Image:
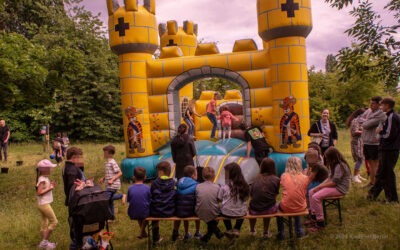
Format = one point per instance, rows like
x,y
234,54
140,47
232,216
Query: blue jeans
x,y
213,120
297,225
113,196
191,125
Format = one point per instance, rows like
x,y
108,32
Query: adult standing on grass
x,y
71,174
324,132
182,150
4,136
371,119
212,114
354,123
388,154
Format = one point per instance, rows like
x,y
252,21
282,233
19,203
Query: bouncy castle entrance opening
x,y
203,126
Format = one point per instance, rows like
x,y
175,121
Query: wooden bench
x,y
333,201
287,219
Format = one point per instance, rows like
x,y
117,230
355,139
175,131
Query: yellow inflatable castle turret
x,y
283,25
272,82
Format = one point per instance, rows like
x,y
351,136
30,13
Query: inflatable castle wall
x,y
273,79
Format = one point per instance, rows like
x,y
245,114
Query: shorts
x,y
371,152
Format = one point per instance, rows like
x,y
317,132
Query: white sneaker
x,y
51,245
361,178
356,179
43,244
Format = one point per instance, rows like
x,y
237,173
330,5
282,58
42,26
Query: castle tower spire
x,y
284,25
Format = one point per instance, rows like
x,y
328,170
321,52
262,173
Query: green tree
x,y
377,45
58,68
220,85
330,63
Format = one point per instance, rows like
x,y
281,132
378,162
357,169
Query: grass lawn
x,y
366,225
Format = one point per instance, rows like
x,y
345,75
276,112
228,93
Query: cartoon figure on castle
x,y
134,131
289,124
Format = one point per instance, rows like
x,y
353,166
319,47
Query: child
x,y
71,173
162,197
263,194
188,116
226,118
186,201
111,177
65,141
139,200
211,109
317,173
354,122
294,184
45,198
57,152
315,146
337,184
233,196
207,205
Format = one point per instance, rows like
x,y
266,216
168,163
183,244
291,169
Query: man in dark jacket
x,y
389,148
71,174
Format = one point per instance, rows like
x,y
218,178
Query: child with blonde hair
x,y
294,187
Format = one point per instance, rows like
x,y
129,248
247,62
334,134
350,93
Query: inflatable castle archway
x,y
273,80
188,77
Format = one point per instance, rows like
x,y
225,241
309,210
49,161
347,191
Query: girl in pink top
x,y
226,118
294,184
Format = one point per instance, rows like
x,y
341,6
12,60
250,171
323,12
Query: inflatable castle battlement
x,y
273,80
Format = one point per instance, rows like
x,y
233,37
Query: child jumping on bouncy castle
x,y
226,118
212,115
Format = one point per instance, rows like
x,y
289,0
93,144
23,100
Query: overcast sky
x,y
224,21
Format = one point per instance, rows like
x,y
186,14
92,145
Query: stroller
x,y
89,211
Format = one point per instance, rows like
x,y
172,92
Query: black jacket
x,y
162,198
70,174
390,134
183,151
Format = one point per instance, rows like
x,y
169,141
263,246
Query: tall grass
x,y
366,225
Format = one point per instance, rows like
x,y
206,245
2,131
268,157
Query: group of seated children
x,y
207,200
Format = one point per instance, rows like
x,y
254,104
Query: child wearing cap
x,y
44,193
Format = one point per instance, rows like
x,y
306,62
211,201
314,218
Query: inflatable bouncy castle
x,y
273,83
